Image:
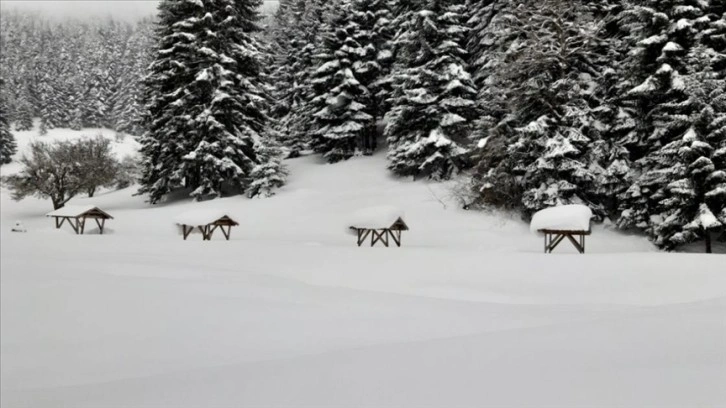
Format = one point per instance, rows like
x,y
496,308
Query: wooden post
x,y
74,226
362,235
396,235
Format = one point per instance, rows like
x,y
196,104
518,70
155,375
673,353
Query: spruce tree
x,y
305,34
205,104
543,139
24,113
7,140
342,119
692,168
433,106
663,35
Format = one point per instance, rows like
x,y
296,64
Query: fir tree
x,y
342,122
7,140
205,109
24,113
663,34
434,101
691,171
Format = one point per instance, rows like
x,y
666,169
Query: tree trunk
x,y
58,202
91,192
707,238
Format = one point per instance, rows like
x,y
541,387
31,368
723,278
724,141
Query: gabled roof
x,y
74,211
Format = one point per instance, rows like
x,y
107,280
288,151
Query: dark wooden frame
x,y
208,229
78,222
552,238
382,235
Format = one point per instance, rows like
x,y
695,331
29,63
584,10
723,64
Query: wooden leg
x,y
575,243
385,234
554,242
226,232
377,236
203,230
74,226
362,235
396,235
210,230
82,222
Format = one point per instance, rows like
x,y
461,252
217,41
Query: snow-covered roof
x,y
75,211
574,217
201,216
376,217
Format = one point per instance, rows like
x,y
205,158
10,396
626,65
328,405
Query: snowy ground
x,y
290,313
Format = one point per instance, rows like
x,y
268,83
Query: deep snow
x,y
290,312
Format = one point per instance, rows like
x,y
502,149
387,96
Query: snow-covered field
x,y
290,313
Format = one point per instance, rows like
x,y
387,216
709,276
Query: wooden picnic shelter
x,y
382,224
560,222
206,222
76,217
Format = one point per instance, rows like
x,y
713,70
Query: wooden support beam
x,y
74,226
553,239
186,230
396,235
227,232
362,235
375,237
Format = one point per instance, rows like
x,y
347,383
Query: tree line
x,y
73,74
617,104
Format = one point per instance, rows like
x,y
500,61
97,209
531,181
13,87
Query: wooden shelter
x,y
560,222
206,222
382,224
76,217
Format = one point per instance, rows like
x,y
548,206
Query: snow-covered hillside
x,y
290,312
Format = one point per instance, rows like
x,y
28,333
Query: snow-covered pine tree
x,y
342,122
540,92
127,112
7,140
270,174
434,102
295,127
288,41
375,37
693,167
24,112
662,34
205,109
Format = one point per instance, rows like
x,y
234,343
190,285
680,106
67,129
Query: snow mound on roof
x,y
71,211
574,217
376,217
201,216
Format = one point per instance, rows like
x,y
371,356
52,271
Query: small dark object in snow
x,y
19,227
